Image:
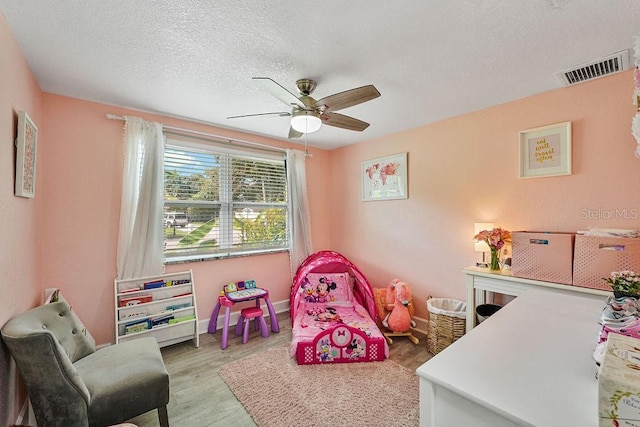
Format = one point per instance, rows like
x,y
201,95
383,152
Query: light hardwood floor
x,y
199,397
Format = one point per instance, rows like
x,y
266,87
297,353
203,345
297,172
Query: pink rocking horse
x,y
400,309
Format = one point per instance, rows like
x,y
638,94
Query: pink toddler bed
x,y
333,313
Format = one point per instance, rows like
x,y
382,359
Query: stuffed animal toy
x,y
398,301
390,300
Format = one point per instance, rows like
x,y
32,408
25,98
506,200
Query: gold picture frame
x,y
26,149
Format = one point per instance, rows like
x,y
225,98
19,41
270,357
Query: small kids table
x,y
238,292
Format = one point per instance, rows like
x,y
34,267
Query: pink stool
x,y
246,314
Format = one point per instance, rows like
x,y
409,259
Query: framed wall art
x,y
26,145
546,151
385,178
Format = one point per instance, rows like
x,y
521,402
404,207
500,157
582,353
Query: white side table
x,y
480,280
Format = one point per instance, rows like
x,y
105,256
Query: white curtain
x,y
300,224
635,131
140,242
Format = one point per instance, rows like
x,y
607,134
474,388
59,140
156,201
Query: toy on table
x,y
244,290
235,292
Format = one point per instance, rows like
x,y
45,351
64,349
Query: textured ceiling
x,y
429,59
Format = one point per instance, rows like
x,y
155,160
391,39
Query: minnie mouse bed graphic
x,y
320,292
324,314
356,349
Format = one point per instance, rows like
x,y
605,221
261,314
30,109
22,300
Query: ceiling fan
x,y
307,114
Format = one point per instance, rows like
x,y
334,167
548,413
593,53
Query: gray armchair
x,y
71,384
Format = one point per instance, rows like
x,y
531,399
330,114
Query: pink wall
x,y
465,170
20,250
80,229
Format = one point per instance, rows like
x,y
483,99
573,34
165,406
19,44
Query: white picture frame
x,y
545,151
26,150
385,178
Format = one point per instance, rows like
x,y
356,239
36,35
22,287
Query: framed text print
x,y
26,145
546,151
385,178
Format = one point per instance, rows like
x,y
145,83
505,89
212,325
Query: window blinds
x,y
235,201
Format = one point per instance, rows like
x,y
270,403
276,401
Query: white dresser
x,y
530,364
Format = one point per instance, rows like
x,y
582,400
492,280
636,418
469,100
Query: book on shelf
x,y
182,295
154,284
134,300
162,320
181,319
176,282
139,326
179,306
139,313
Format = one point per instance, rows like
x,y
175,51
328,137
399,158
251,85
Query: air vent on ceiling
x,y
611,64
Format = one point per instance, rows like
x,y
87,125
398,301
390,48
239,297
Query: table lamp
x,y
481,246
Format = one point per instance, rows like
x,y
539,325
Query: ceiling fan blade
x,y
344,122
277,90
348,98
280,114
294,133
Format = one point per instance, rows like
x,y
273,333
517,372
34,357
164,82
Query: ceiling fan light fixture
x,y
306,121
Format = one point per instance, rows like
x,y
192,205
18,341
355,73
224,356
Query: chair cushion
x,y
86,343
124,380
59,320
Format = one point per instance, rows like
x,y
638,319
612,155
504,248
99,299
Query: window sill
x,y
226,255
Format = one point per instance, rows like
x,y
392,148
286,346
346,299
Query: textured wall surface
x,y
19,217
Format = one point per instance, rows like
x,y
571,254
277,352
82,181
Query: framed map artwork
x,y
385,178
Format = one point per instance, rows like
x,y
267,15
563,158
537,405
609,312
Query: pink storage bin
x,y
543,256
596,257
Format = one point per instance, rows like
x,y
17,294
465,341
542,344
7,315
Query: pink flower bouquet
x,y
495,239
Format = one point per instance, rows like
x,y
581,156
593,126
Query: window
x,y
221,201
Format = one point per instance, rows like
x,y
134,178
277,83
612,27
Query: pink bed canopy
x,y
332,262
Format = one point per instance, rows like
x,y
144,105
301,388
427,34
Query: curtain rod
x,y
187,132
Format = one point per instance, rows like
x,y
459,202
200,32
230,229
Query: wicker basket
x,y
444,329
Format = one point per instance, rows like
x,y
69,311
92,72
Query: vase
x,y
622,294
495,260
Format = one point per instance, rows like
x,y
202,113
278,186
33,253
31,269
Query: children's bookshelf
x,y
162,306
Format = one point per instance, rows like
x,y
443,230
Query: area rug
x,y
276,391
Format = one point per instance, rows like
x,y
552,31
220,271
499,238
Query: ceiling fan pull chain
x,y
306,152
